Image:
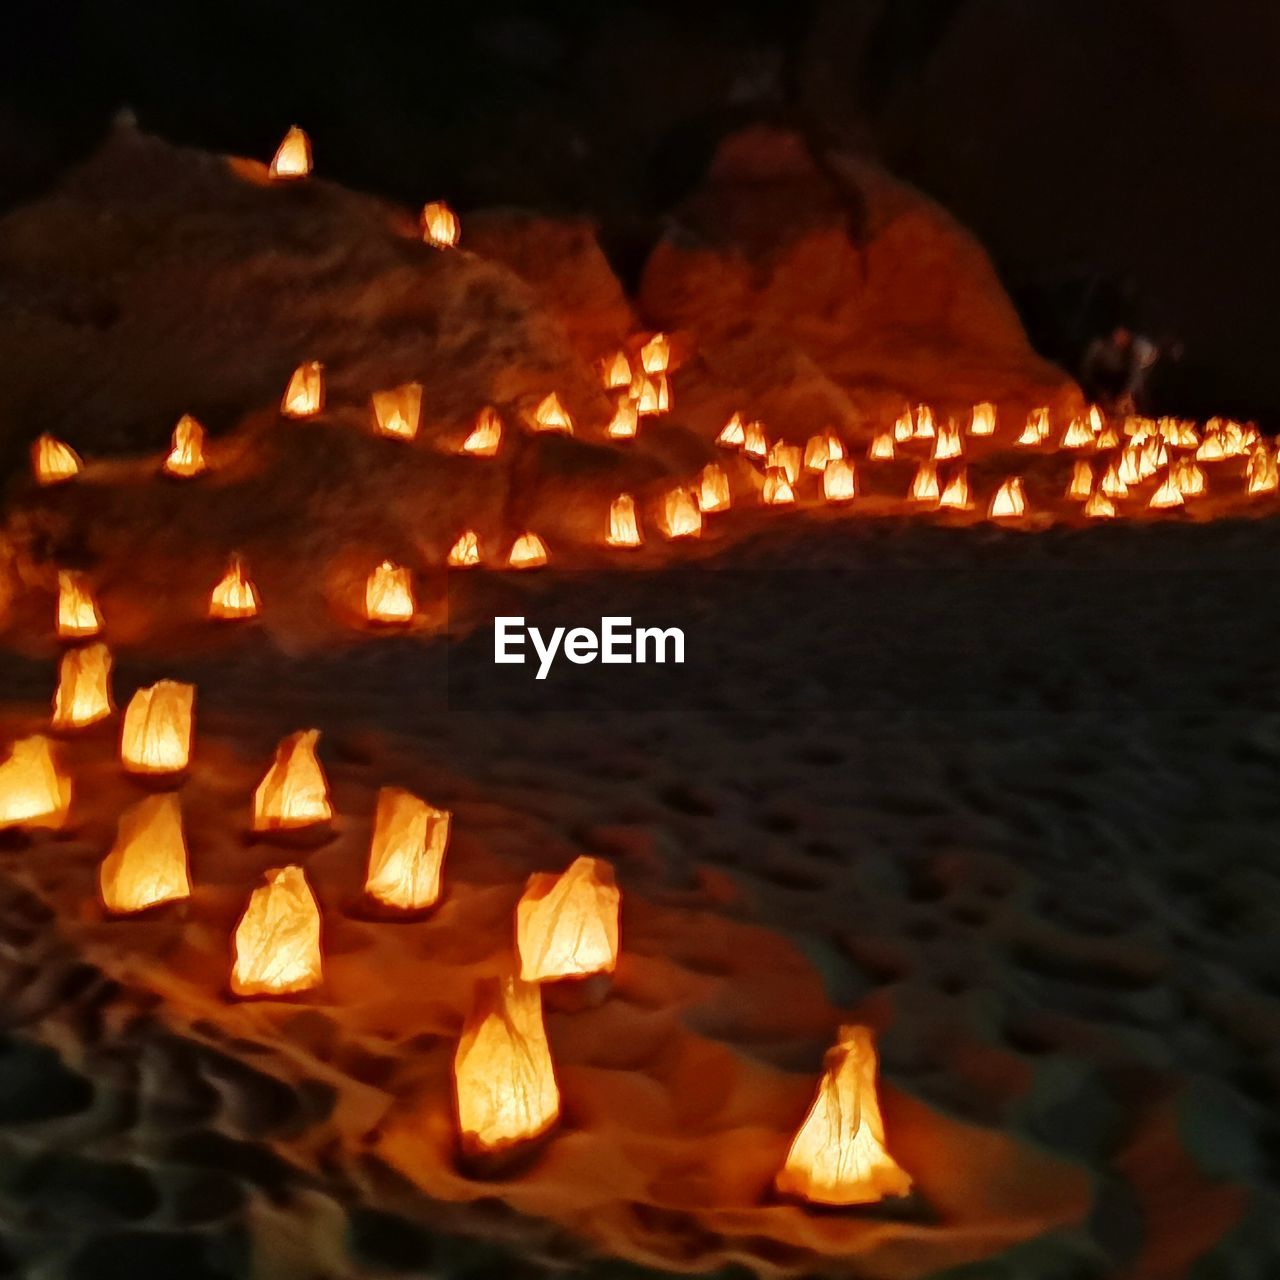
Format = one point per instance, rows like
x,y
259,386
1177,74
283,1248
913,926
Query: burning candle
x,y
147,864
277,941
294,793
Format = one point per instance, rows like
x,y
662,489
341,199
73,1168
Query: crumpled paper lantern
x,y
681,515
839,481
277,942
465,553
551,415
156,735
567,925
528,552
293,156
407,851
294,793
52,461
1009,502
186,452
616,372
84,687
304,396
147,864
33,791
388,594
396,413
839,1157
78,615
485,436
713,489
440,226
235,596
623,529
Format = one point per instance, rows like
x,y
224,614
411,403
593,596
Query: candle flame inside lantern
x,y
924,485
84,687
733,434
407,851
925,429
904,427
1081,485
713,489
186,451
235,596
681,514
955,496
304,396
623,529
440,226
388,594
881,448
625,421
485,436
551,415
465,552
983,420
1167,496
33,791
754,442
147,864
294,792
504,1081
1009,501
1262,474
567,925
787,456
396,413
52,461
277,942
617,372
655,355
156,735
777,490
839,1157
839,481
528,552
949,443
78,615
293,156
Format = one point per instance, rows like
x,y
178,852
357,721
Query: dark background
x,y
1119,158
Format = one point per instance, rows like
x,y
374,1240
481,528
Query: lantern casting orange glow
x,y
147,864
396,413
623,529
754,442
924,485
84,687
186,451
1081,485
983,421
681,515
304,396
485,436
655,355
294,793
528,552
388,594
277,942
440,226
156,735
293,156
465,552
551,415
777,490
1009,502
733,434
789,457
78,616
713,489
235,596
625,421
52,461
33,791
617,372
881,448
955,496
1167,496
839,481
567,925
407,851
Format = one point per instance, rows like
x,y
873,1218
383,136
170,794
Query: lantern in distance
x,y
567,925
754,442
235,596
1108,439
156,735
1262,474
1189,477
485,436
294,793
839,481
625,421
396,413
616,373
388,594
904,428
881,448
186,452
623,529
465,552
1078,435
33,791
1130,470
1099,506
84,687
293,156
733,434
504,1081
787,456
551,415
277,942
528,552
1081,485
1112,484
713,489
839,1156
1009,502
655,355
681,515
52,461
407,851
777,491
651,395
78,615
949,442
955,496
815,453
925,429
924,485
147,864
983,420
440,226
304,396
1167,496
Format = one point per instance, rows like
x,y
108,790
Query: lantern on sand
x,y
754,442
156,735
623,529
407,851
983,421
625,421
904,427
955,495
294,793
839,1156
84,687
293,156
396,413
33,792
465,552
52,461
388,594
567,925
235,596
949,443
1099,506
924,485
777,490
186,451
1167,496
655,355
651,394
78,615
881,448
713,489
1009,502
485,436
1081,485
1113,484
304,396
925,429
1262,475
1189,477
147,864
790,457
504,1081
681,515
277,942
440,225
551,415
732,434
616,372
839,481
528,552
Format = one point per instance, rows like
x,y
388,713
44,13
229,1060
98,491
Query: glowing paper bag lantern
x,y
789,457
405,857
567,925
465,552
904,428
1009,501
681,515
485,436
388,594
528,552
294,793
754,442
816,455
1167,496
1099,506
304,396
623,529
839,1157
625,421
293,156
733,434
983,421
440,226
551,415
924,485
839,481
1189,478
84,687
78,615
396,413
955,496
1262,475
277,942
147,864
235,596
949,444
1081,485
777,490
32,790
1078,435
655,355
713,489
617,372
156,735
504,1081
652,395
1113,484
881,448
186,452
52,461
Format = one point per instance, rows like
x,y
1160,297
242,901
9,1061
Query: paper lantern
x,y
754,442
504,1081
1109,439
1099,506
235,596
713,489
652,395
440,226
277,942
567,925
1037,428
732,434
528,552
904,427
1009,502
924,485
1130,470
156,735
78,616
681,516
839,481
1262,474
625,421
616,373
983,420
388,594
293,156
294,793
655,355
407,851
949,442
839,1156
186,452
955,496
881,448
52,461
790,457
1078,435
485,436
84,687
304,396
1189,477
396,412
465,552
777,490
551,415
33,792
147,864
1167,496
623,529
1081,485
816,455
925,429
1112,483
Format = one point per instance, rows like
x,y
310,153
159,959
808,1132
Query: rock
x,y
36,1085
